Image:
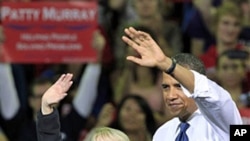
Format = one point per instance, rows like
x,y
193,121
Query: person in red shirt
x,y
227,31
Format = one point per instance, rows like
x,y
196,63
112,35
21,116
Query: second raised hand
x,y
56,93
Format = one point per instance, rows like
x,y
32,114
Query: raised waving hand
x,y
56,93
150,53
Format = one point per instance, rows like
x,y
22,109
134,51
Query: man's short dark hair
x,y
233,54
190,61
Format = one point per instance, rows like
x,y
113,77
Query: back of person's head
x,y
190,61
145,108
106,134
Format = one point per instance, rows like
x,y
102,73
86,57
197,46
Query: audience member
x,y
141,127
133,79
75,118
104,57
112,15
51,97
82,104
199,105
9,100
166,31
244,37
226,30
9,103
135,118
196,26
144,82
74,122
28,128
231,74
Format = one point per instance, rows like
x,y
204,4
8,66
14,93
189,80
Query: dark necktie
x,y
182,136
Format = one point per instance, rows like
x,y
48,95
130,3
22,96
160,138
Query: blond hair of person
x,y
228,8
106,134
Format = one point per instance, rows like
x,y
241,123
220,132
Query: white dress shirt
x,y
211,122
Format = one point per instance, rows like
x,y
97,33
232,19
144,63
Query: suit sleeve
x,y
48,127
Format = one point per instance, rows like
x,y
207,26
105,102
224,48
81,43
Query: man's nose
x,y
172,94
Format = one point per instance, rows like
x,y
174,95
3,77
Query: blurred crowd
x,y
116,93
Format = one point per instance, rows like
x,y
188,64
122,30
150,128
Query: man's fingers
x,y
130,42
140,38
133,34
146,36
134,59
133,30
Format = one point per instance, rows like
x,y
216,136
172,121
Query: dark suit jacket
x,y
48,127
52,128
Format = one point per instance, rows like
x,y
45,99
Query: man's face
x,y
177,103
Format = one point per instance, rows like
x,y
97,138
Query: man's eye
x,y
178,85
165,86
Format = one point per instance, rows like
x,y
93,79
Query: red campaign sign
x,y
48,32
